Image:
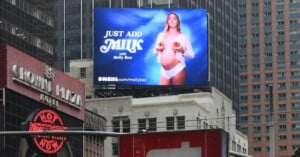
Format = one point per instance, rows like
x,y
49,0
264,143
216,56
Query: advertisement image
x,y
134,46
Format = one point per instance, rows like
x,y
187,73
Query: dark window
x,y
180,122
83,72
170,123
142,124
152,124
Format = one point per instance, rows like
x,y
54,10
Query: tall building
x,y
269,48
29,26
75,37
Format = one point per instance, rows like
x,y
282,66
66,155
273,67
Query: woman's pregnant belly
x,y
168,59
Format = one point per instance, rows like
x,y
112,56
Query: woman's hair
x,y
178,24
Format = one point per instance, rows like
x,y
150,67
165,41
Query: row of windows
x,y
257,130
280,85
120,124
280,96
269,76
281,118
269,44
25,36
266,3
281,148
33,11
281,107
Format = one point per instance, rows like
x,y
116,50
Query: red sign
x,y
47,120
41,82
196,143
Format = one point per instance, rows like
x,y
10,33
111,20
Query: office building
x,y
269,48
29,26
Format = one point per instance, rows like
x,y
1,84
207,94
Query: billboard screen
x,y
134,46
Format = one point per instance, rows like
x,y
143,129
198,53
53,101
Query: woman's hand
x,y
178,47
160,47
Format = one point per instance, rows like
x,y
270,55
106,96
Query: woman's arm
x,y
187,47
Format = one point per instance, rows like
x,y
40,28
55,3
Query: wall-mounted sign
x,y
44,85
46,120
41,82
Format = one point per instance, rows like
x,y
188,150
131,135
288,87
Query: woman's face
x,y
172,21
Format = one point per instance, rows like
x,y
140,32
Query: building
x,y
194,111
28,25
189,111
269,48
76,41
94,145
36,97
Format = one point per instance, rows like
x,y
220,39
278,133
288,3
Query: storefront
x,y
33,97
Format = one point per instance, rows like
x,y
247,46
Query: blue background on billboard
x,y
142,68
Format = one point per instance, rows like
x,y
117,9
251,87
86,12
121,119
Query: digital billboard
x,y
134,46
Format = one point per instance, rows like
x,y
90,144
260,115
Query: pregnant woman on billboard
x,y
171,47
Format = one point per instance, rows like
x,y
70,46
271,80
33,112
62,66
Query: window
x,y
296,136
256,119
116,125
175,122
170,123
256,97
268,54
244,109
147,124
181,122
293,21
256,108
121,124
268,23
256,129
282,127
115,149
142,124
244,98
283,148
126,126
243,77
281,85
281,95
152,124
257,149
280,23
281,75
256,139
82,72
244,119
282,137
256,87
295,126
269,76
282,107
256,76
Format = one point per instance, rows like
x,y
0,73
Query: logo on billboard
x,y
50,121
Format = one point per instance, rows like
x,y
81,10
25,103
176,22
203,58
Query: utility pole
x,y
271,126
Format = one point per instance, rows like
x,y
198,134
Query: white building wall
x,y
203,110
213,110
